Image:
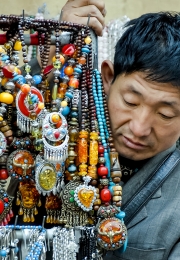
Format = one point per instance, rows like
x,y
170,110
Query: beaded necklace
x,y
65,146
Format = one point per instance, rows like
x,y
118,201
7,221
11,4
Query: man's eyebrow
x,y
132,89
169,103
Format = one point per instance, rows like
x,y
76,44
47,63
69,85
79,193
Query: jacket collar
x,y
131,187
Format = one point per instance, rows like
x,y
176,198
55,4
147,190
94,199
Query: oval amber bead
x,y
17,46
73,82
25,88
6,98
82,60
68,70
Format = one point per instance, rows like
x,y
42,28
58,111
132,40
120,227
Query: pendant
x,y
71,214
20,163
5,208
46,178
54,127
111,233
55,137
28,199
53,206
85,195
24,110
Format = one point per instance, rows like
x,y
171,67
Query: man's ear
x,y
107,71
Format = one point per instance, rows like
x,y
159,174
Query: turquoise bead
x,y
3,253
120,215
86,50
72,168
77,70
37,79
69,95
66,110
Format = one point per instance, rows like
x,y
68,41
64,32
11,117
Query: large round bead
x,y
3,174
105,195
111,233
102,171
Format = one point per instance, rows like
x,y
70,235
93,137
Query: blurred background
x,y
115,8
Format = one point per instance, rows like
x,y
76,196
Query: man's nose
x,y
141,123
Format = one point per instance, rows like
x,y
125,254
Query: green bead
x,y
71,199
71,192
54,92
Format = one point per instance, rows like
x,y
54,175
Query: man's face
x,y
144,116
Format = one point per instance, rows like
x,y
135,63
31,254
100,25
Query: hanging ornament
x,y
28,199
20,164
71,214
28,109
85,195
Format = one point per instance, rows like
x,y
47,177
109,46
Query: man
x,y
144,107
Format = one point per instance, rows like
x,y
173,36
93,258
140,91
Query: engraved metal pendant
x,y
85,195
46,178
71,213
23,110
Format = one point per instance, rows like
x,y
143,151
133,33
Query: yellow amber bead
x,y
93,152
7,46
32,218
88,40
24,218
20,212
83,134
17,46
82,169
1,118
64,103
41,105
6,98
48,219
92,172
83,150
3,81
94,136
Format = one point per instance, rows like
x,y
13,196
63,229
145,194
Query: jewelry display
x,y
56,144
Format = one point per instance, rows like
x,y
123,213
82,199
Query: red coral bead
x,y
105,195
68,49
3,174
101,149
102,171
48,69
1,206
6,199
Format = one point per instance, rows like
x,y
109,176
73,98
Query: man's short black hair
x,y
151,44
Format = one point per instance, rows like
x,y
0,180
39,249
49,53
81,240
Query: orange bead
x,y
82,60
25,88
41,105
73,82
55,118
62,59
59,123
68,70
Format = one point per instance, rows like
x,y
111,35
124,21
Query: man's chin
x,y
133,155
